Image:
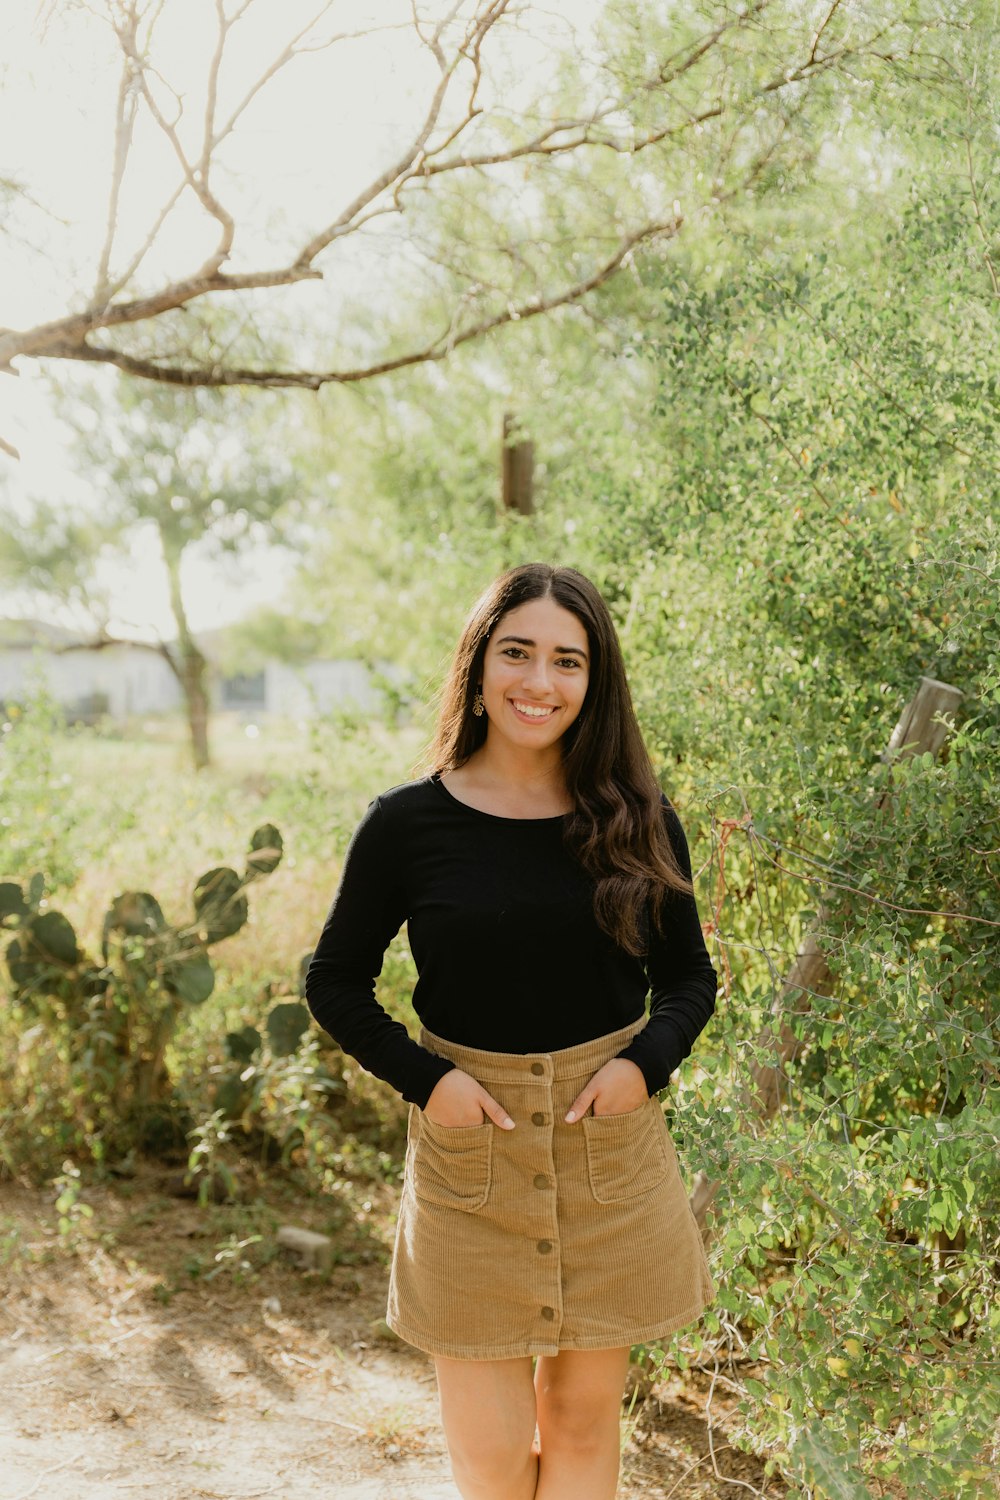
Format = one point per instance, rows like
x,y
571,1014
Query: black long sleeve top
x,y
508,953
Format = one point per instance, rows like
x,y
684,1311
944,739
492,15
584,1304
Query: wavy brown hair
x,y
617,830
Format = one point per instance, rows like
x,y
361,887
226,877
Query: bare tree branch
x,y
544,144
285,56
58,337
483,23
124,124
438,348
290,51
195,177
126,275
822,27
425,158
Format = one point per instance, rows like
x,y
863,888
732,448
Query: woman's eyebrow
x,y
522,640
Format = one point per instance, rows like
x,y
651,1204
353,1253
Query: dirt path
x,y
142,1365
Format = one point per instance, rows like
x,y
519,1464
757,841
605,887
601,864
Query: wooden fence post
x,y
517,471
915,733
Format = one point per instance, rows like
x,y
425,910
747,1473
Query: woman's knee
x,y
579,1400
588,1427
487,1474
488,1415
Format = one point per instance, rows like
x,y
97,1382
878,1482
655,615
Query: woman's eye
x,y
568,661
513,651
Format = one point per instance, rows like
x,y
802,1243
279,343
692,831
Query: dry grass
x,y
158,825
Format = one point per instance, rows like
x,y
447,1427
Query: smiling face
x,y
535,673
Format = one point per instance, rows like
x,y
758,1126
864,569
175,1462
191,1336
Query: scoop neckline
x,y
435,781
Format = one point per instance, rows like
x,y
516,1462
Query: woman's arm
x,y
368,910
682,981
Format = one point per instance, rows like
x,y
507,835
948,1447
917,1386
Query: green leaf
x,y
828,1466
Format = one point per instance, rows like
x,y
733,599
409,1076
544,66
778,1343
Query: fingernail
x,y
570,1118
508,1124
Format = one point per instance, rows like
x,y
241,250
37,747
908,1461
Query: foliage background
x,y
773,444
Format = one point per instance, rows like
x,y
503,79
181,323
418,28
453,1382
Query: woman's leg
x,y
488,1414
579,1401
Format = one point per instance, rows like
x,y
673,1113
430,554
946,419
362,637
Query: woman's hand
x,y
457,1099
614,1089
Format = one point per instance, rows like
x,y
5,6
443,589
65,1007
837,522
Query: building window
x,y
244,690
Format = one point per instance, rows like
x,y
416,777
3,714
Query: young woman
x,y
546,886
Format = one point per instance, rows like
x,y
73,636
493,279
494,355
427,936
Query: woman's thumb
x,y
496,1111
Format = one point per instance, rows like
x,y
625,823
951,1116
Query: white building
x,y
126,679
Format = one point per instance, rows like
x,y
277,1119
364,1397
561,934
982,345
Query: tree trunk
x,y
196,700
190,671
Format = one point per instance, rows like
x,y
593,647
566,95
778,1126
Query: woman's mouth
x,y
532,713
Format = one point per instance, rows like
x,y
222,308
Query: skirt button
x,y
548,1313
544,1246
538,1118
538,1067
541,1180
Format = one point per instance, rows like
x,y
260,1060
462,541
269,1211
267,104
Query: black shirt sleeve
x,y
368,910
682,981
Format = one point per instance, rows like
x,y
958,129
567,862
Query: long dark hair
x,y
617,829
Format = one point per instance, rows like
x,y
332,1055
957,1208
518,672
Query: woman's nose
x,y
537,676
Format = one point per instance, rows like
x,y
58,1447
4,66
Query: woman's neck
x,y
534,781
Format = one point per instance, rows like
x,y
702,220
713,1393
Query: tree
x,y
655,125
180,460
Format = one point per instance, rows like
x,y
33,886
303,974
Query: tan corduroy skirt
x,y
548,1236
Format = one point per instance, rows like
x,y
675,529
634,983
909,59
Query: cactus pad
x,y
241,1045
231,1096
136,913
190,979
12,902
266,849
286,1026
42,952
220,904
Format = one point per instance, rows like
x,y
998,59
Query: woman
x,y
545,881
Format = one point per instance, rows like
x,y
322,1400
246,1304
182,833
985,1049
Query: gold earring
x,y
478,705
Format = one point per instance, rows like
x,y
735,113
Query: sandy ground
x,y
129,1369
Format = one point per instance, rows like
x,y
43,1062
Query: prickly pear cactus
x,y
150,969
286,1025
219,903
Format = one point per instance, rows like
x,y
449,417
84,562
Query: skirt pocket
x,y
452,1164
626,1156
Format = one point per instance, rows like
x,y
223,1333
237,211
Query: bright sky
x,y
320,130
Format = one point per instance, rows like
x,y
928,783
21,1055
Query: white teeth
x,y
533,713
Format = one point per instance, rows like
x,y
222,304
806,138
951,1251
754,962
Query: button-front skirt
x,y
548,1236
